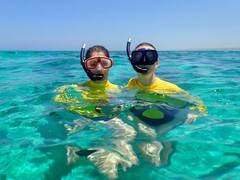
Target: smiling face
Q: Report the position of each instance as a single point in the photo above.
(99, 69)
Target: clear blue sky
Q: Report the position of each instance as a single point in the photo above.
(169, 24)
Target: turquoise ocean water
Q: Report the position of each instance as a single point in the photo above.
(33, 138)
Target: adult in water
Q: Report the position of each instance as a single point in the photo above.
(145, 60)
(159, 101)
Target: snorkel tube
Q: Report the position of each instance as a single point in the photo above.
(128, 49)
(82, 55)
(93, 77)
(142, 70)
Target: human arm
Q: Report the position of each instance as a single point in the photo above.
(64, 95)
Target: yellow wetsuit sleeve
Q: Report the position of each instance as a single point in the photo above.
(165, 87)
(172, 88)
(199, 105)
(63, 95)
(131, 83)
(159, 86)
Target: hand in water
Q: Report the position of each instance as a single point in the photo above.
(191, 118)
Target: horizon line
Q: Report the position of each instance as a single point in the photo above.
(194, 49)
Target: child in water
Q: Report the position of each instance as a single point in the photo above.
(89, 99)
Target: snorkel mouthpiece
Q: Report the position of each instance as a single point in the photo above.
(142, 70)
(96, 77)
(93, 77)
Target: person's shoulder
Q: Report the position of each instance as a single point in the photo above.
(63, 88)
(113, 86)
(168, 85)
(160, 81)
(131, 83)
(84, 84)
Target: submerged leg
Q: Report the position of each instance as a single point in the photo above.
(117, 151)
(152, 151)
(108, 160)
(71, 154)
(147, 130)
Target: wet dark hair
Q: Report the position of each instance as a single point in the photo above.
(145, 44)
(97, 48)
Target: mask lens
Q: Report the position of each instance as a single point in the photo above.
(137, 57)
(151, 56)
(91, 63)
(106, 63)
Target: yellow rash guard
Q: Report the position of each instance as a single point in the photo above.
(82, 98)
(161, 86)
(158, 85)
(105, 85)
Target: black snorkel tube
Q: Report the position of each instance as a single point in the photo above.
(93, 77)
(135, 67)
(128, 49)
(82, 55)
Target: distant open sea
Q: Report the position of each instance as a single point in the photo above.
(33, 139)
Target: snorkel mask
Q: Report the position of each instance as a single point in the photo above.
(93, 77)
(141, 57)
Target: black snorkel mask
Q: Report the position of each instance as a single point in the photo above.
(93, 77)
(141, 57)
